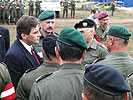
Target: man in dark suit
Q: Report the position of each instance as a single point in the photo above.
(22, 55)
(4, 42)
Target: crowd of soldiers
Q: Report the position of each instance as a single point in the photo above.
(31, 8)
(10, 12)
(66, 6)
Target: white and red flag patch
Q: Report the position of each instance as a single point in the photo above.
(8, 93)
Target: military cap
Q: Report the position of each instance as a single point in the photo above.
(119, 31)
(86, 23)
(49, 43)
(48, 14)
(103, 15)
(72, 36)
(105, 79)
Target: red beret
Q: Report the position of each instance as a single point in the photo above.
(102, 15)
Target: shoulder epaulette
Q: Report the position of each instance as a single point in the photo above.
(3, 63)
(130, 74)
(97, 60)
(43, 76)
(103, 46)
(54, 33)
(27, 71)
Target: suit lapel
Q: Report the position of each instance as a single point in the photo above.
(29, 57)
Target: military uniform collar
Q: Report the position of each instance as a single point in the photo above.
(93, 44)
(72, 66)
(102, 29)
(49, 65)
(119, 53)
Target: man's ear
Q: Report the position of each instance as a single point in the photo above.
(84, 54)
(112, 41)
(24, 36)
(84, 97)
(57, 53)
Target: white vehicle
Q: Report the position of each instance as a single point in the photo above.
(51, 5)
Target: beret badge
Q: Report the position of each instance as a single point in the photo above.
(85, 24)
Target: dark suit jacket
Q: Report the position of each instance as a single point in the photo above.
(18, 60)
(4, 42)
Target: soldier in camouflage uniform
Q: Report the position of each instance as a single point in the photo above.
(49, 66)
(31, 8)
(13, 12)
(6, 12)
(18, 8)
(113, 8)
(1, 11)
(6, 84)
(96, 50)
(72, 8)
(37, 4)
(22, 7)
(65, 10)
(103, 28)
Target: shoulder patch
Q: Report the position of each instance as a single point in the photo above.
(27, 71)
(43, 76)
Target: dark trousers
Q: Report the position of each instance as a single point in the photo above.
(113, 12)
(31, 9)
(72, 12)
(37, 12)
(6, 16)
(65, 11)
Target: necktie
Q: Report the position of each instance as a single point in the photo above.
(33, 53)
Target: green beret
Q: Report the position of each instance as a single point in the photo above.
(119, 31)
(72, 36)
(48, 14)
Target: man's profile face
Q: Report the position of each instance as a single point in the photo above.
(34, 36)
(88, 33)
(108, 42)
(48, 25)
(104, 22)
(96, 14)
